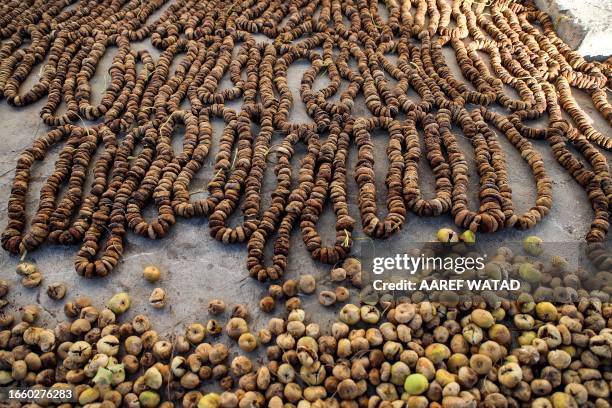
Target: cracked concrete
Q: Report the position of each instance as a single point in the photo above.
(196, 268)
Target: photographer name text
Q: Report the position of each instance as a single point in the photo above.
(447, 284)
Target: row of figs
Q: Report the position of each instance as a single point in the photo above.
(376, 54)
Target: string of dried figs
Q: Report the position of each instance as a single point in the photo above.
(366, 182)
(234, 60)
(271, 218)
(330, 182)
(441, 169)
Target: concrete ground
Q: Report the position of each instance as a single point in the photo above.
(584, 25)
(196, 268)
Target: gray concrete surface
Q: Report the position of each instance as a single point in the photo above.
(583, 24)
(196, 268)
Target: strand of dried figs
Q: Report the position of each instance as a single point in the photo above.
(13, 239)
(330, 182)
(440, 166)
(366, 178)
(286, 207)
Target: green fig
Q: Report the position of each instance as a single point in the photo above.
(153, 378)
(530, 273)
(149, 399)
(119, 303)
(468, 237)
(533, 245)
(210, 400)
(447, 235)
(416, 384)
(88, 396)
(103, 376)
